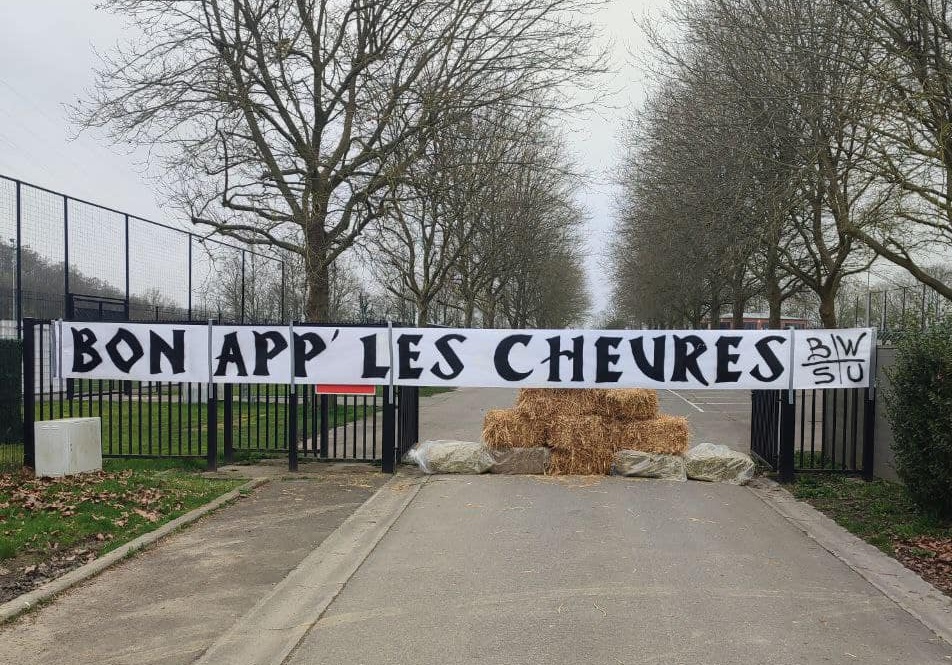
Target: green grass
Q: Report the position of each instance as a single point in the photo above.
(134, 427)
(426, 391)
(879, 512)
(98, 511)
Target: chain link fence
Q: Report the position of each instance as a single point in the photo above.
(55, 247)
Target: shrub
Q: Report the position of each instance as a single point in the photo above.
(11, 397)
(919, 409)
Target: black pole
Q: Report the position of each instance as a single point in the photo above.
(869, 435)
(189, 276)
(283, 313)
(242, 286)
(325, 426)
(19, 260)
(128, 291)
(292, 431)
(787, 436)
(212, 452)
(29, 392)
(229, 434)
(415, 429)
(65, 253)
(389, 432)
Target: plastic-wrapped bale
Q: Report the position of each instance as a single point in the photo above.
(621, 403)
(451, 457)
(520, 461)
(668, 435)
(715, 463)
(638, 464)
(581, 445)
(513, 428)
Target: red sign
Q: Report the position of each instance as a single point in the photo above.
(341, 389)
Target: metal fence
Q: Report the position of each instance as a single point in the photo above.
(182, 420)
(814, 430)
(54, 246)
(11, 414)
(903, 308)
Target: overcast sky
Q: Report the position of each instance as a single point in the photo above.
(47, 55)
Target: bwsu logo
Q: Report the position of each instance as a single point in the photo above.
(836, 358)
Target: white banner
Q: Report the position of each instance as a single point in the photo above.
(691, 359)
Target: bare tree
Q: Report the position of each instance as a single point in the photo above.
(285, 122)
(436, 210)
(907, 111)
(768, 82)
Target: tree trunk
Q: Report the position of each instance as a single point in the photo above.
(774, 302)
(828, 307)
(489, 316)
(737, 312)
(738, 299)
(468, 311)
(318, 292)
(422, 313)
(317, 268)
(715, 318)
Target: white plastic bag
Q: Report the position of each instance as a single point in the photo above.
(451, 457)
(638, 464)
(719, 464)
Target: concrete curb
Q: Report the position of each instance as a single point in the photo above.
(27, 601)
(913, 594)
(271, 630)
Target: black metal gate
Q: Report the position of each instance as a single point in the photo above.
(814, 430)
(182, 420)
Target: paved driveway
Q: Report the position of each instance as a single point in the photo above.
(535, 570)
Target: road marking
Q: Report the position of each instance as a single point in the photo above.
(686, 400)
(725, 403)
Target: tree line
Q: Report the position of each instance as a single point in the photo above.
(786, 145)
(411, 142)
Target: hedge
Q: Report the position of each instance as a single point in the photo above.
(919, 409)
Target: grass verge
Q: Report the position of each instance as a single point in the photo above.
(880, 513)
(50, 526)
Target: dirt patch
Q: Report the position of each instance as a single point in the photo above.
(25, 573)
(931, 558)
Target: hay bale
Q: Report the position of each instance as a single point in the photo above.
(451, 457)
(631, 403)
(620, 403)
(668, 435)
(513, 428)
(637, 464)
(581, 445)
(716, 463)
(520, 461)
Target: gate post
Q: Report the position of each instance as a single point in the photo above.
(292, 429)
(229, 416)
(325, 426)
(788, 425)
(869, 436)
(212, 447)
(389, 432)
(29, 392)
(869, 415)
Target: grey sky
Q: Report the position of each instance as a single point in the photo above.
(47, 58)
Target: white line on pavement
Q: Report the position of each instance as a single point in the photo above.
(686, 400)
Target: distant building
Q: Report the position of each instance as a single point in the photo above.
(761, 321)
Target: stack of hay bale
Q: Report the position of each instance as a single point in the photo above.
(580, 430)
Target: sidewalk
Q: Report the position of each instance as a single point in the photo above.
(168, 604)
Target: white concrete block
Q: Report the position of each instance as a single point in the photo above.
(69, 446)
